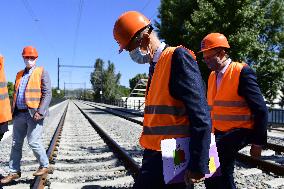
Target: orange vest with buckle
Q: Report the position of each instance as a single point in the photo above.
(33, 89)
(164, 116)
(228, 109)
(5, 113)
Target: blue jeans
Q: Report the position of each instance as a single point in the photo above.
(228, 144)
(25, 125)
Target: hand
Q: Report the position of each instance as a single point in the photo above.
(191, 177)
(255, 151)
(37, 116)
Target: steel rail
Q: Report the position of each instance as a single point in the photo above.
(40, 181)
(119, 115)
(262, 164)
(129, 162)
(118, 109)
(275, 147)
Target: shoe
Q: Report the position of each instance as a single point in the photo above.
(10, 177)
(41, 171)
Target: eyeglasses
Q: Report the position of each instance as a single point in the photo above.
(209, 57)
(136, 39)
(29, 57)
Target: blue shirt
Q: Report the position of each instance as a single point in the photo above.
(21, 101)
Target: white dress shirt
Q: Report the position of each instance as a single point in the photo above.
(221, 73)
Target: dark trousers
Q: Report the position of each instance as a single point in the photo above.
(151, 173)
(1, 136)
(228, 144)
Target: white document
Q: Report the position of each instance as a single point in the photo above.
(175, 154)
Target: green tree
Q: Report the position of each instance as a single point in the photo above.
(97, 78)
(55, 93)
(254, 29)
(10, 87)
(123, 91)
(111, 83)
(133, 81)
(105, 80)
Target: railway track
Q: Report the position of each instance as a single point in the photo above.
(271, 163)
(29, 163)
(135, 118)
(87, 157)
(84, 157)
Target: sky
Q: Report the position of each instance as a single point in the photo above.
(75, 31)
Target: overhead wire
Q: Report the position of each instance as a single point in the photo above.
(146, 5)
(36, 21)
(79, 16)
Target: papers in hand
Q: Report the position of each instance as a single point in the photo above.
(175, 154)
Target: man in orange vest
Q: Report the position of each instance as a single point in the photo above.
(32, 96)
(175, 105)
(5, 113)
(238, 110)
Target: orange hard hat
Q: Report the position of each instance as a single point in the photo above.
(214, 40)
(29, 51)
(127, 25)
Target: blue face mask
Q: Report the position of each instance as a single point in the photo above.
(139, 57)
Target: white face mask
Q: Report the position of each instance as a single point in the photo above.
(139, 57)
(29, 62)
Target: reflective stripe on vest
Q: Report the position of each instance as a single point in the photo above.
(230, 103)
(32, 99)
(232, 117)
(4, 96)
(162, 109)
(166, 130)
(33, 90)
(3, 84)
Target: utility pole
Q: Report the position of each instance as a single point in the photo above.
(69, 66)
(58, 73)
(84, 90)
(101, 92)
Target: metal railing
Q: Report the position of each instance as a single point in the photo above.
(276, 116)
(128, 104)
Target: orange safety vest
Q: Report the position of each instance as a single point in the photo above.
(164, 116)
(228, 109)
(33, 89)
(5, 113)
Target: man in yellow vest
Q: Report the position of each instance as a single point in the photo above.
(32, 96)
(238, 111)
(175, 104)
(5, 113)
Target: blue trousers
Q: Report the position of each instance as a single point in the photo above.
(228, 144)
(151, 173)
(24, 125)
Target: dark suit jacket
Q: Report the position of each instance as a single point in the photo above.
(249, 89)
(186, 84)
